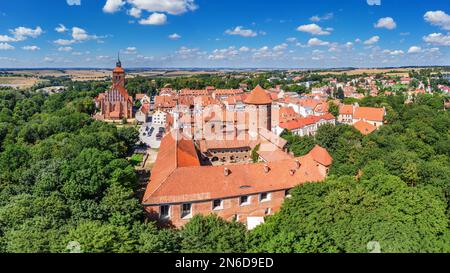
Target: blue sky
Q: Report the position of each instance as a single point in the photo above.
(224, 33)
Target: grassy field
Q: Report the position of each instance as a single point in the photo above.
(19, 82)
(391, 72)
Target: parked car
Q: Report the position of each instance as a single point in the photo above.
(159, 136)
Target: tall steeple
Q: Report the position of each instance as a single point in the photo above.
(119, 63)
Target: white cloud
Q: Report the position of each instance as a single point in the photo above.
(349, 45)
(48, 59)
(244, 49)
(64, 42)
(239, 30)
(79, 34)
(317, 18)
(61, 28)
(173, 7)
(154, 19)
(372, 40)
(65, 49)
(291, 40)
(112, 6)
(74, 2)
(386, 22)
(135, 12)
(393, 52)
(174, 36)
(130, 50)
(374, 2)
(31, 48)
(314, 29)
(225, 53)
(414, 49)
(317, 42)
(6, 46)
(438, 39)
(6, 38)
(438, 18)
(21, 34)
(280, 47)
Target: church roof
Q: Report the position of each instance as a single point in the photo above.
(258, 96)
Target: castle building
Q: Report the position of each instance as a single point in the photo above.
(115, 104)
(181, 187)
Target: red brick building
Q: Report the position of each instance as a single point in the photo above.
(115, 104)
(181, 187)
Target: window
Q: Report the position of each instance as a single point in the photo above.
(186, 211)
(264, 197)
(164, 212)
(287, 193)
(244, 200)
(268, 211)
(218, 204)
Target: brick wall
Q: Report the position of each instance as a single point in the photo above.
(231, 209)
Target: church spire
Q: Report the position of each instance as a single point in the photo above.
(119, 63)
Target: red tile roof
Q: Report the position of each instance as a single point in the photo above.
(258, 96)
(303, 122)
(369, 113)
(172, 183)
(364, 127)
(346, 110)
(321, 155)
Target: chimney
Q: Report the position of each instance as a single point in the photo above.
(266, 168)
(298, 164)
(226, 172)
(292, 172)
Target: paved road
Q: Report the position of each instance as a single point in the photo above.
(145, 137)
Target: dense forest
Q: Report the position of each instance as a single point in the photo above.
(65, 178)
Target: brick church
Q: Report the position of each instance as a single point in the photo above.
(115, 104)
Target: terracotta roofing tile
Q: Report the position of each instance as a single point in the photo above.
(364, 127)
(321, 155)
(258, 96)
(178, 177)
(369, 113)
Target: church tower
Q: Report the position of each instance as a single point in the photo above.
(118, 74)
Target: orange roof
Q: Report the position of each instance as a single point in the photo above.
(118, 70)
(258, 96)
(186, 154)
(346, 110)
(303, 122)
(165, 102)
(369, 113)
(171, 184)
(364, 127)
(321, 155)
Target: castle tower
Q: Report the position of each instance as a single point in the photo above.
(259, 103)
